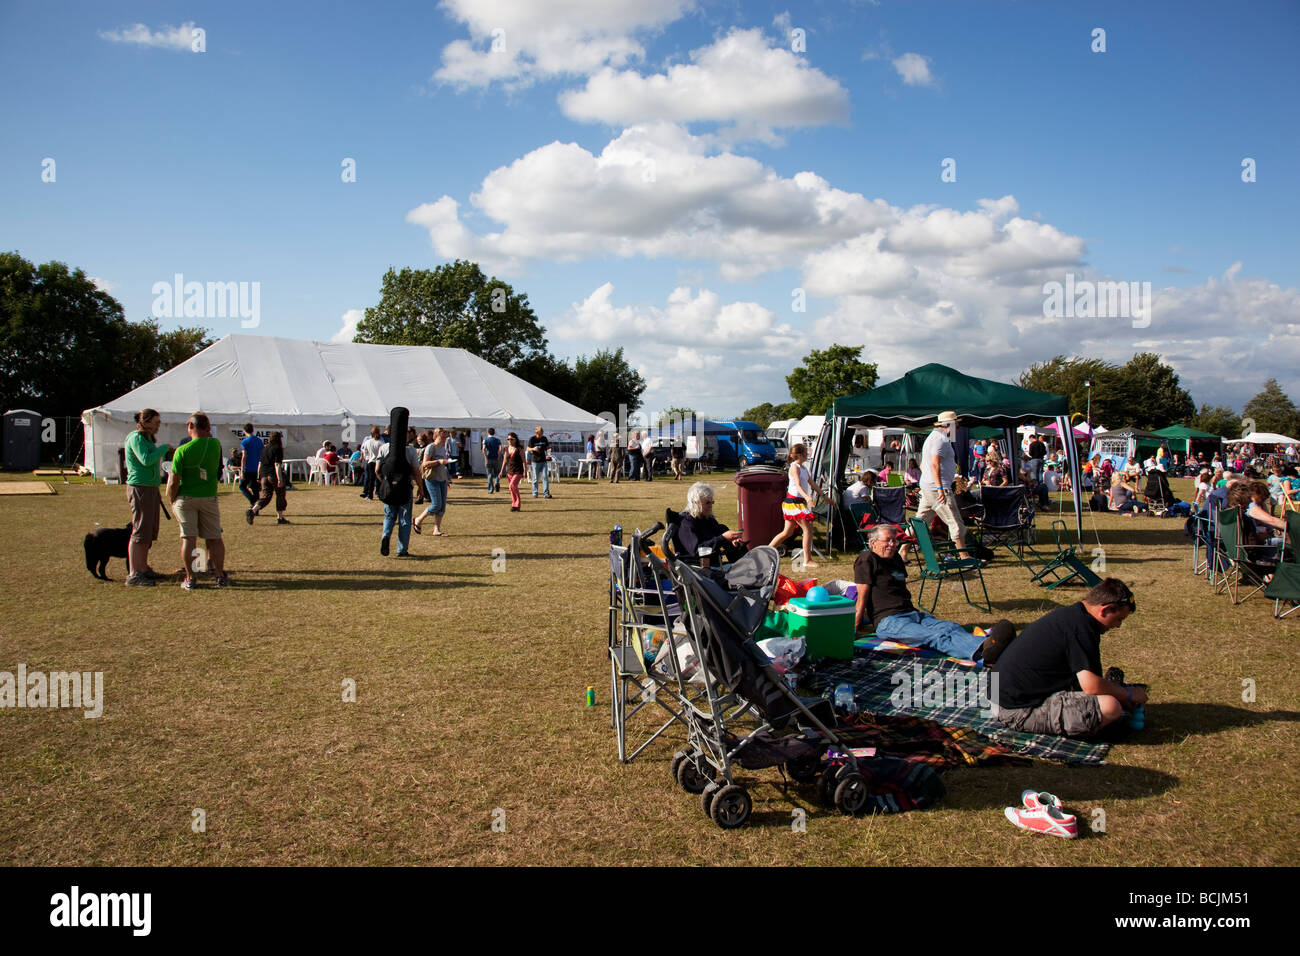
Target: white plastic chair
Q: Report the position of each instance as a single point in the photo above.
(317, 466)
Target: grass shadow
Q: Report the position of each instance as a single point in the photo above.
(1175, 721)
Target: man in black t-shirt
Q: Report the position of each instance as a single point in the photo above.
(1037, 451)
(1050, 680)
(538, 448)
(883, 598)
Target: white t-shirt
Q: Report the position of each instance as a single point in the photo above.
(856, 493)
(796, 488)
(370, 449)
(936, 443)
(1052, 480)
(647, 445)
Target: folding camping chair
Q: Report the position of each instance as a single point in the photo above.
(639, 608)
(1007, 520)
(1066, 565)
(1239, 565)
(890, 505)
(1285, 586)
(938, 568)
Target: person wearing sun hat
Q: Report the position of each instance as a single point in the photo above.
(938, 471)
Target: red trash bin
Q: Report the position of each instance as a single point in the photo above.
(760, 491)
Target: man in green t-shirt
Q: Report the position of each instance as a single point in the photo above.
(192, 489)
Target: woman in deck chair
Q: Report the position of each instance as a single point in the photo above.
(700, 534)
(1252, 498)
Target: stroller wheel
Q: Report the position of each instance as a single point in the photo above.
(690, 778)
(706, 797)
(731, 806)
(851, 793)
(803, 769)
(826, 786)
(676, 763)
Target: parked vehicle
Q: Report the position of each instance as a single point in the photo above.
(744, 444)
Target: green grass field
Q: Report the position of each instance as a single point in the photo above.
(470, 699)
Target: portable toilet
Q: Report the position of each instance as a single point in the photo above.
(22, 439)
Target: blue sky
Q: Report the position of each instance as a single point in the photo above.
(663, 174)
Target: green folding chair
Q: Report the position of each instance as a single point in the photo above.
(939, 568)
(1240, 570)
(1066, 565)
(1285, 586)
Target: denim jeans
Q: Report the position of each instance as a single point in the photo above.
(540, 476)
(494, 474)
(925, 630)
(402, 516)
(437, 498)
(250, 486)
(368, 489)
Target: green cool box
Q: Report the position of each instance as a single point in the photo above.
(827, 626)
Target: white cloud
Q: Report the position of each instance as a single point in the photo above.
(653, 191)
(167, 38)
(535, 39)
(741, 79)
(103, 285)
(349, 330)
(688, 320)
(914, 69)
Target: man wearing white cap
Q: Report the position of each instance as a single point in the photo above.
(938, 469)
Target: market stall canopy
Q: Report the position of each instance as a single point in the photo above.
(920, 395)
(1184, 432)
(1264, 438)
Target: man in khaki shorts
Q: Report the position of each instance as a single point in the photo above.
(1049, 680)
(938, 470)
(192, 490)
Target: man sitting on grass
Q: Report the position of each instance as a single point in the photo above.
(883, 598)
(1050, 680)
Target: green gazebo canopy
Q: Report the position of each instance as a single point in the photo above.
(1182, 431)
(921, 394)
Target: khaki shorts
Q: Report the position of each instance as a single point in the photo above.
(145, 503)
(1067, 713)
(198, 518)
(948, 511)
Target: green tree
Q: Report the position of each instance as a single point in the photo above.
(65, 346)
(678, 413)
(551, 374)
(605, 381)
(828, 374)
(1143, 392)
(1153, 389)
(1217, 420)
(767, 413)
(454, 306)
(1066, 376)
(1273, 411)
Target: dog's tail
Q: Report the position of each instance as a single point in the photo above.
(90, 557)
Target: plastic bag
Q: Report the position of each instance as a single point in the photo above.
(787, 589)
(785, 652)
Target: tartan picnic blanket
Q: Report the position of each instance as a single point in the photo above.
(943, 691)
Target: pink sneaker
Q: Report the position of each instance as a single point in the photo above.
(1047, 820)
(1035, 799)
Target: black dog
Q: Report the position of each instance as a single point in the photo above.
(103, 544)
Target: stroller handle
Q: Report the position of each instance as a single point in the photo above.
(650, 532)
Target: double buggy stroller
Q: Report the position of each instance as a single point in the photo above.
(738, 711)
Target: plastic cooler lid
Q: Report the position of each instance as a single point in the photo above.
(835, 605)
